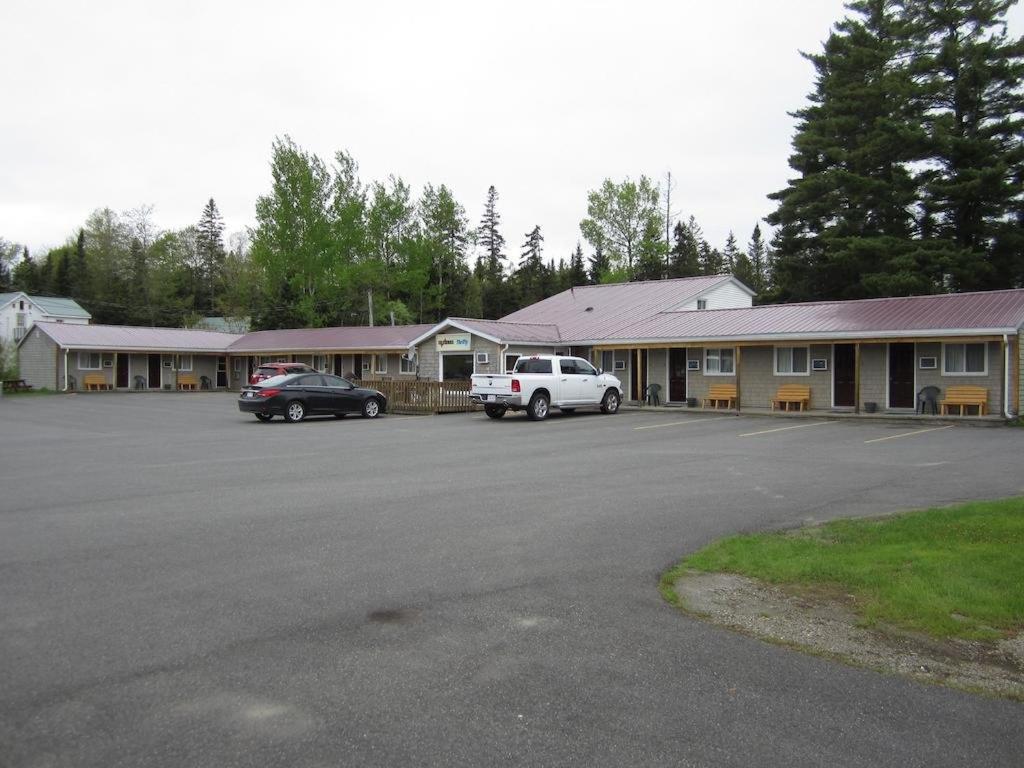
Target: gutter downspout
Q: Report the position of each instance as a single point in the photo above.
(1006, 376)
(65, 369)
(504, 350)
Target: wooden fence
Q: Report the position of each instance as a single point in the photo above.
(424, 396)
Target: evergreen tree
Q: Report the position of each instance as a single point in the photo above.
(757, 255)
(683, 258)
(577, 270)
(532, 279)
(80, 274)
(845, 224)
(710, 259)
(491, 267)
(210, 247)
(445, 234)
(969, 77)
(25, 275)
(730, 254)
(600, 265)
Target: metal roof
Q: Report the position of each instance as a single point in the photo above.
(598, 311)
(383, 337)
(126, 338)
(52, 305)
(498, 331)
(952, 314)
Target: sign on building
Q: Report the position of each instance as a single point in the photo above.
(453, 342)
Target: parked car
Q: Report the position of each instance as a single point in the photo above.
(267, 370)
(541, 382)
(297, 396)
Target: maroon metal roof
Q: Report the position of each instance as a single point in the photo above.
(512, 332)
(136, 339)
(382, 337)
(597, 311)
(944, 314)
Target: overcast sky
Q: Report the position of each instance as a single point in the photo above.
(121, 104)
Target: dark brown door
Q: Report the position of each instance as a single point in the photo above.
(677, 375)
(901, 375)
(843, 372)
(122, 371)
(357, 366)
(222, 371)
(154, 371)
(337, 366)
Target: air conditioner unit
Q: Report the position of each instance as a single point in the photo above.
(481, 358)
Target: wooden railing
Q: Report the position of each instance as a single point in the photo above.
(423, 396)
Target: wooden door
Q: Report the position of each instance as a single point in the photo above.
(122, 371)
(677, 375)
(843, 374)
(901, 375)
(222, 371)
(154, 371)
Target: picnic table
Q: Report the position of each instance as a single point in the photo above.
(16, 385)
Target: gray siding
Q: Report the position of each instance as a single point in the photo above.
(759, 384)
(37, 361)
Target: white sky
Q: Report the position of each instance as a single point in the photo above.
(121, 104)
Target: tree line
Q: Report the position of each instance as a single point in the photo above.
(909, 179)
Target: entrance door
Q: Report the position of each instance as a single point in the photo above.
(901, 375)
(456, 367)
(357, 366)
(638, 375)
(154, 371)
(222, 371)
(677, 375)
(122, 371)
(843, 374)
(337, 366)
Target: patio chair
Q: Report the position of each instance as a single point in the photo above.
(140, 382)
(204, 382)
(928, 397)
(653, 394)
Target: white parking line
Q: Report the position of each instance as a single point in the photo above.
(681, 423)
(909, 434)
(783, 429)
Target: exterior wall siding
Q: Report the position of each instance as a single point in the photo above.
(725, 296)
(37, 361)
(657, 371)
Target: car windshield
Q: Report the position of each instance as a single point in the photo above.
(532, 365)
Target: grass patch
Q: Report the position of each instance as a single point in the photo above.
(954, 572)
(31, 392)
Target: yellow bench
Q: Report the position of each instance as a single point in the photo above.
(96, 381)
(188, 381)
(721, 393)
(965, 397)
(790, 394)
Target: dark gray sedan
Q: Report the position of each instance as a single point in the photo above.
(297, 396)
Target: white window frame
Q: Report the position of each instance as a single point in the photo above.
(182, 360)
(406, 365)
(377, 367)
(718, 360)
(776, 357)
(320, 363)
(514, 357)
(702, 303)
(965, 344)
(86, 366)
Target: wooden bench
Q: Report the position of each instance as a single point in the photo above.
(792, 394)
(965, 397)
(96, 381)
(188, 381)
(16, 385)
(720, 393)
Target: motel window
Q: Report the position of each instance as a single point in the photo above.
(184, 362)
(608, 361)
(510, 362)
(320, 363)
(791, 361)
(407, 364)
(89, 361)
(702, 303)
(964, 359)
(380, 363)
(719, 362)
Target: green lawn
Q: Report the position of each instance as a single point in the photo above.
(954, 572)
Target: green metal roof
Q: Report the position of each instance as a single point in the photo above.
(51, 305)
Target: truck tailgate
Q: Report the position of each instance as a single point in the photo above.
(491, 384)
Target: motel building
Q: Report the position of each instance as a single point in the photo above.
(697, 342)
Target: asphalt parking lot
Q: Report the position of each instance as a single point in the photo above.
(184, 586)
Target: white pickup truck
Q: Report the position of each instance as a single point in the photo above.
(539, 383)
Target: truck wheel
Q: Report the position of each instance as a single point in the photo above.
(538, 407)
(610, 403)
(494, 411)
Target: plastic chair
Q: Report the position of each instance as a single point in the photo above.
(204, 382)
(72, 383)
(654, 394)
(928, 397)
(140, 382)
